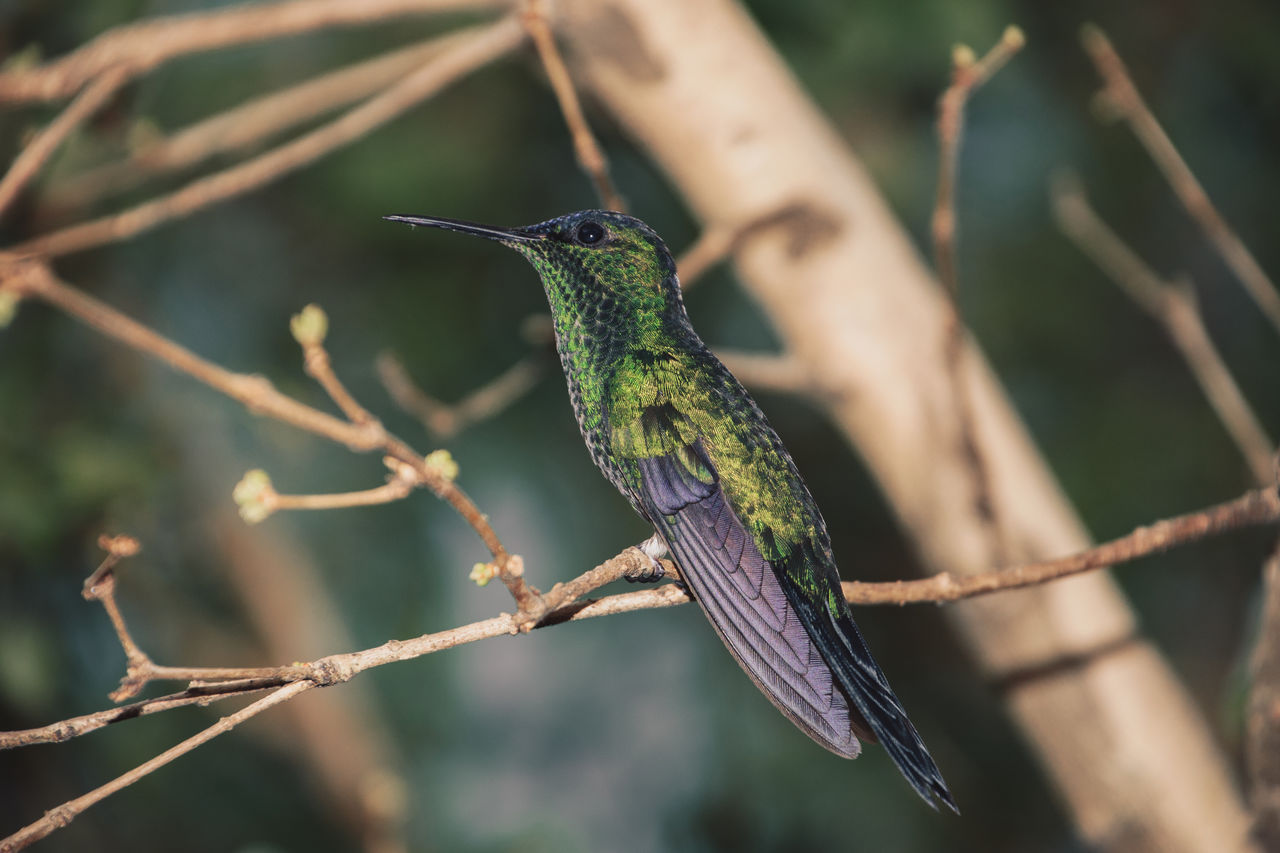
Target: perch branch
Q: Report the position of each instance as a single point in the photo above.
(1123, 99)
(563, 603)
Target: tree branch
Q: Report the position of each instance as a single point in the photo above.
(968, 73)
(472, 50)
(37, 152)
(145, 45)
(1123, 99)
(242, 126)
(1173, 305)
(590, 157)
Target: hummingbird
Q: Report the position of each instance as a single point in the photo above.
(684, 442)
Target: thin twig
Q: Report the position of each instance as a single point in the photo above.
(258, 395)
(480, 47)
(62, 815)
(199, 694)
(1256, 508)
(142, 46)
(1124, 100)
(968, 73)
(258, 499)
(446, 420)
(1173, 305)
(242, 126)
(713, 245)
(39, 150)
(590, 157)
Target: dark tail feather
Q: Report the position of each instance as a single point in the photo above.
(867, 688)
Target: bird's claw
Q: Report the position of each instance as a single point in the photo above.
(652, 570)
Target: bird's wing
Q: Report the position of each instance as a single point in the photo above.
(782, 616)
(677, 485)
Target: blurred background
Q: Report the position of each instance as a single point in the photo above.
(635, 732)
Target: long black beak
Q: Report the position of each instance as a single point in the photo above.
(504, 235)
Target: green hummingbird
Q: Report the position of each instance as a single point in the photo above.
(685, 443)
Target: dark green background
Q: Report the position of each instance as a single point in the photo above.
(635, 732)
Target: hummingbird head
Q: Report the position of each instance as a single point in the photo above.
(608, 276)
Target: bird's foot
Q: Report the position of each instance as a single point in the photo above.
(654, 549)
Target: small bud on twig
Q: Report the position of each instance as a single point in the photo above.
(254, 495)
(309, 326)
(442, 463)
(482, 573)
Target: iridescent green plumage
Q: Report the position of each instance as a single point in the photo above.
(678, 435)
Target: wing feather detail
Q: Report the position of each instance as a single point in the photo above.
(741, 595)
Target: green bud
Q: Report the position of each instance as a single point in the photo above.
(482, 573)
(252, 495)
(442, 463)
(309, 326)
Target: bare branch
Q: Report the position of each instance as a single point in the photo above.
(560, 605)
(1259, 507)
(1123, 99)
(39, 150)
(33, 280)
(1173, 306)
(590, 157)
(142, 46)
(472, 50)
(62, 815)
(446, 420)
(242, 126)
(968, 73)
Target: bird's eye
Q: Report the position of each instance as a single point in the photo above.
(590, 233)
